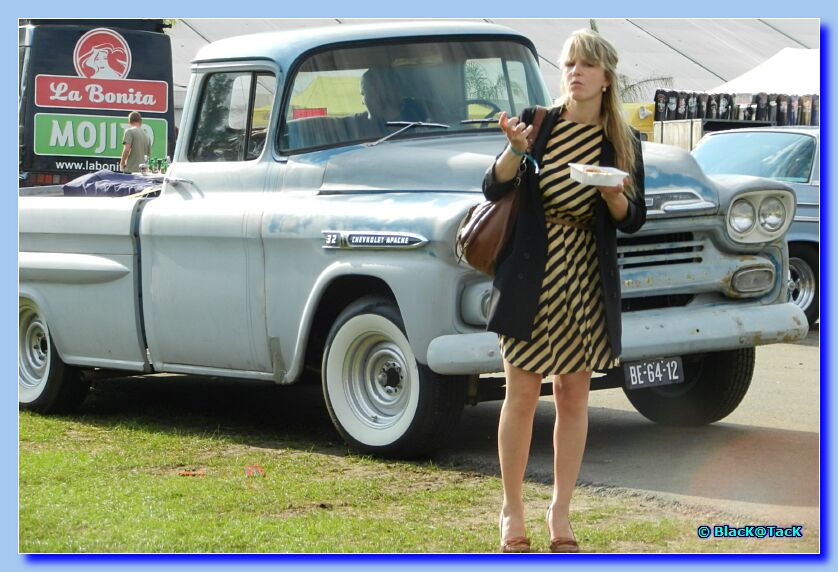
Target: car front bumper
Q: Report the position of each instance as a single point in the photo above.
(647, 334)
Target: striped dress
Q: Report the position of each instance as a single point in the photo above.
(569, 332)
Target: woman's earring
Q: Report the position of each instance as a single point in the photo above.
(603, 89)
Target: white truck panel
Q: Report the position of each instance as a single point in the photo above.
(78, 261)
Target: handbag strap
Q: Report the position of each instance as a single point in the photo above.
(537, 120)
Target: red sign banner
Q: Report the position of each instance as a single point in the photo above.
(116, 94)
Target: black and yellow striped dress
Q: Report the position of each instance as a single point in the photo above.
(569, 333)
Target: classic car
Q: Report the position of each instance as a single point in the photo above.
(790, 155)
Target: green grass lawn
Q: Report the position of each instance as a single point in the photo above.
(102, 482)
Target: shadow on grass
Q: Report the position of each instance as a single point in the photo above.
(245, 412)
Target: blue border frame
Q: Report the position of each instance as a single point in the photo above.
(432, 8)
(826, 286)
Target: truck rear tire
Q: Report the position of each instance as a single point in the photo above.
(45, 383)
(714, 387)
(380, 399)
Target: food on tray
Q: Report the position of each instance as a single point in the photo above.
(598, 175)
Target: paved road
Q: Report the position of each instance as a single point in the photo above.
(761, 462)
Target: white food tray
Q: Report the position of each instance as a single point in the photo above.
(603, 177)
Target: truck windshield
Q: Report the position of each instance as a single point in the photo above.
(349, 95)
(783, 156)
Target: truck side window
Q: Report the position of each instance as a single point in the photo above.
(233, 116)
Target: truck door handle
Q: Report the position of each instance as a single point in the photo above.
(178, 181)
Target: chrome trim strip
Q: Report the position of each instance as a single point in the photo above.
(64, 268)
(681, 206)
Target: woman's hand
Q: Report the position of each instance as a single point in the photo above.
(516, 131)
(610, 194)
(615, 199)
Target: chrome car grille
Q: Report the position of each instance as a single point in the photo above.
(658, 250)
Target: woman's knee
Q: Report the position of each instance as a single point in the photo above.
(523, 388)
(571, 391)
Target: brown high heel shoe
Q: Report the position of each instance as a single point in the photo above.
(562, 544)
(516, 544)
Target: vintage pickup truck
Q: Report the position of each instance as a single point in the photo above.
(305, 229)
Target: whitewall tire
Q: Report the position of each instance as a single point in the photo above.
(45, 383)
(381, 400)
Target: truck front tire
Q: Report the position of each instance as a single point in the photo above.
(45, 383)
(381, 400)
(714, 387)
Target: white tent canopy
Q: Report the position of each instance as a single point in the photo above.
(791, 71)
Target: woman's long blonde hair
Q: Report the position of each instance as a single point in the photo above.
(589, 45)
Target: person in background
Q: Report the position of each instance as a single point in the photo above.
(381, 94)
(556, 295)
(136, 146)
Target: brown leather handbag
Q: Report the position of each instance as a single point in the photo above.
(486, 227)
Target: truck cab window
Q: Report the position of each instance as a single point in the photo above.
(233, 117)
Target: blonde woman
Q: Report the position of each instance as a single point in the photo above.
(556, 296)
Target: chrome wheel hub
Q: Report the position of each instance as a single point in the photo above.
(33, 350)
(377, 380)
(802, 284)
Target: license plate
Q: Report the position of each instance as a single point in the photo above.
(653, 372)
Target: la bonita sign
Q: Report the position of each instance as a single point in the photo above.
(114, 94)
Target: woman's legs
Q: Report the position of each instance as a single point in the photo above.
(570, 393)
(514, 435)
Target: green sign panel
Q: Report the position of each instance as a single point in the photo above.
(92, 135)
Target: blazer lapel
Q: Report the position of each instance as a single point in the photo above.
(607, 158)
(538, 152)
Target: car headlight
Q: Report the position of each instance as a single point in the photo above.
(772, 214)
(742, 216)
(772, 209)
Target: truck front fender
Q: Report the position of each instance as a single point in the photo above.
(425, 291)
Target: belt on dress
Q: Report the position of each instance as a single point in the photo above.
(565, 222)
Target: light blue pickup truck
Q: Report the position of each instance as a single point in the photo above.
(305, 228)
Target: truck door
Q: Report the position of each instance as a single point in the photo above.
(203, 262)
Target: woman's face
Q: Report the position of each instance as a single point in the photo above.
(100, 59)
(583, 78)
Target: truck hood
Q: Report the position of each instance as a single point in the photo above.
(675, 184)
(448, 163)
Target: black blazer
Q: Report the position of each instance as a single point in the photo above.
(520, 266)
